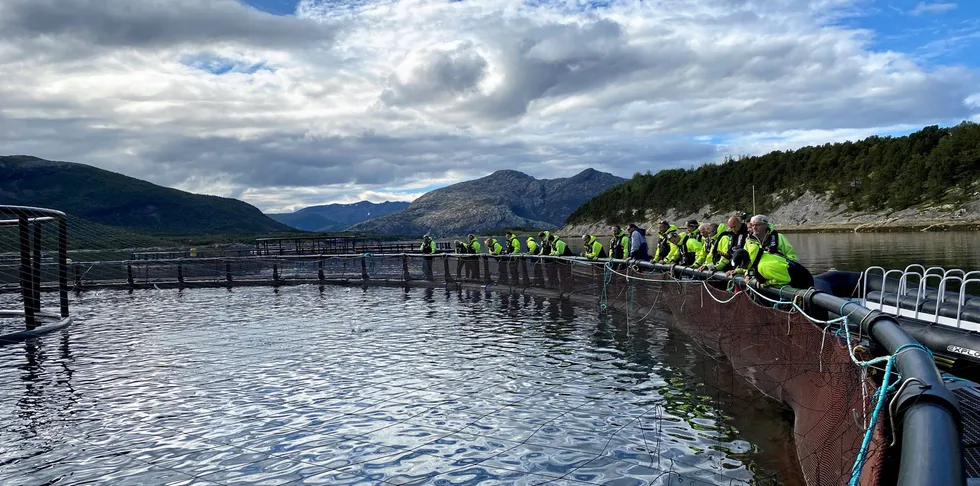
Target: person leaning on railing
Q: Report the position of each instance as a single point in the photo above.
(638, 243)
(532, 246)
(493, 247)
(770, 269)
(513, 244)
(717, 240)
(474, 245)
(684, 251)
(663, 245)
(545, 247)
(558, 247)
(762, 232)
(593, 249)
(428, 245)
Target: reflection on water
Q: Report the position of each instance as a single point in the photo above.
(381, 385)
(857, 251)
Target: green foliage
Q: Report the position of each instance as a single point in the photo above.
(933, 165)
(111, 199)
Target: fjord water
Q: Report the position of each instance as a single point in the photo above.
(334, 385)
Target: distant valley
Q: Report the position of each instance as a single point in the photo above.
(336, 217)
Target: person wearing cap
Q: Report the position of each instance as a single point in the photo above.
(545, 247)
(692, 230)
(428, 245)
(593, 249)
(763, 233)
(663, 245)
(513, 244)
(493, 247)
(638, 243)
(619, 245)
(532, 246)
(770, 269)
(684, 250)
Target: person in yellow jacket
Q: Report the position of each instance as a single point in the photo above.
(593, 249)
(717, 240)
(493, 247)
(692, 230)
(513, 244)
(428, 245)
(770, 269)
(474, 245)
(763, 233)
(532, 246)
(684, 251)
(558, 247)
(663, 245)
(619, 245)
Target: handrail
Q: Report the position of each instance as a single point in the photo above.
(931, 451)
(866, 275)
(884, 289)
(31, 211)
(962, 297)
(941, 297)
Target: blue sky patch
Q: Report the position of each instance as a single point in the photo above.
(275, 7)
(219, 65)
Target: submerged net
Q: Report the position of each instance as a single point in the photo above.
(779, 352)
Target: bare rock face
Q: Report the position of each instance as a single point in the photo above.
(504, 199)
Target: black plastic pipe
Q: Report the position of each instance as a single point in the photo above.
(26, 287)
(929, 414)
(63, 265)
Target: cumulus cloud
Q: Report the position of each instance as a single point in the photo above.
(388, 98)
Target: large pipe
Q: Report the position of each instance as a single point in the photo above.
(929, 414)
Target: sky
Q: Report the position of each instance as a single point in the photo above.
(291, 103)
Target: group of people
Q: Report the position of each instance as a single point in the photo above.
(752, 247)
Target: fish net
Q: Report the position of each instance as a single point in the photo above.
(772, 347)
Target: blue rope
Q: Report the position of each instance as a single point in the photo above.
(882, 392)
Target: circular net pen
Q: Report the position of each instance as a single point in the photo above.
(33, 255)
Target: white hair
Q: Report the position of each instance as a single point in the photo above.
(760, 219)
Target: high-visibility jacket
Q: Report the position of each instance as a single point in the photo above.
(494, 248)
(514, 244)
(532, 246)
(593, 249)
(775, 243)
(716, 250)
(772, 268)
(687, 251)
(545, 247)
(430, 248)
(663, 245)
(474, 246)
(619, 245)
(560, 248)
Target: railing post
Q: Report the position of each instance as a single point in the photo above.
(26, 289)
(275, 272)
(364, 274)
(502, 275)
(445, 265)
(63, 265)
(78, 275)
(228, 271)
(486, 269)
(129, 274)
(405, 275)
(180, 271)
(319, 273)
(36, 266)
(526, 281)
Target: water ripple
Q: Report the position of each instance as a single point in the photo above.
(306, 385)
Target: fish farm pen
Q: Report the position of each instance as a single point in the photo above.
(876, 365)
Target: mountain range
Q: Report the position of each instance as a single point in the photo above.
(503, 199)
(336, 217)
(112, 199)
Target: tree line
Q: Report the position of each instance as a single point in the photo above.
(931, 166)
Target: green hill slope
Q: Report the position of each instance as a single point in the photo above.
(112, 199)
(932, 166)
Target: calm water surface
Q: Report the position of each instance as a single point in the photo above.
(374, 386)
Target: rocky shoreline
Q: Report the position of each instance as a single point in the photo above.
(814, 213)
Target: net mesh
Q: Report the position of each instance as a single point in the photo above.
(779, 352)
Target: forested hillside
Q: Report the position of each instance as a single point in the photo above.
(934, 165)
